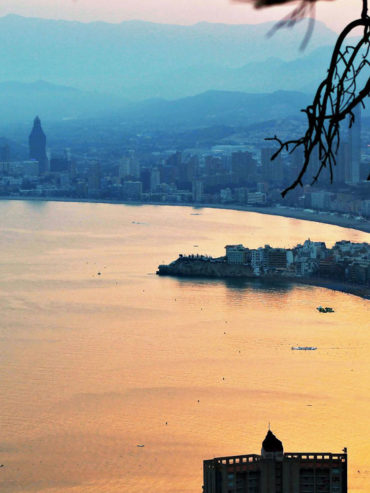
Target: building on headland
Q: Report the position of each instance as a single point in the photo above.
(236, 254)
(311, 262)
(260, 259)
(276, 471)
(275, 258)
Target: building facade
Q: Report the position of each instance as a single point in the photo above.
(236, 254)
(277, 472)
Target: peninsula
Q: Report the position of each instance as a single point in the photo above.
(344, 267)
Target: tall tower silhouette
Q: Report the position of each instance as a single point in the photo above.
(37, 145)
(354, 132)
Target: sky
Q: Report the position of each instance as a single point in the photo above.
(335, 14)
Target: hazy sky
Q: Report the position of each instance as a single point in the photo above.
(334, 14)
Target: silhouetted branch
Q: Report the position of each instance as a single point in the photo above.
(305, 8)
(335, 100)
(336, 96)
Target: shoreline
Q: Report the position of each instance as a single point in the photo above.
(353, 289)
(361, 291)
(288, 212)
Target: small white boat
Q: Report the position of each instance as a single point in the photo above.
(304, 348)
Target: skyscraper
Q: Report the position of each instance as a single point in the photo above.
(94, 177)
(277, 472)
(342, 171)
(272, 171)
(197, 190)
(244, 167)
(155, 179)
(354, 140)
(37, 145)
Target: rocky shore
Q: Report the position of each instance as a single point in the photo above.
(218, 268)
(185, 267)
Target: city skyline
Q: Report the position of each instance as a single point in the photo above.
(148, 169)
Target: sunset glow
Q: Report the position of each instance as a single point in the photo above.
(334, 14)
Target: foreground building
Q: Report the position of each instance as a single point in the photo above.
(277, 472)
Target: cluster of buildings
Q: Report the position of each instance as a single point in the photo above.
(276, 471)
(345, 261)
(223, 174)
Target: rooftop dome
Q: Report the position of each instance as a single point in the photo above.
(271, 443)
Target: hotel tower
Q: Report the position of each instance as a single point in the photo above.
(276, 471)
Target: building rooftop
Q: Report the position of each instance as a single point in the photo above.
(271, 443)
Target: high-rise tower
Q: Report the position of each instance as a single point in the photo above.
(276, 471)
(37, 145)
(354, 135)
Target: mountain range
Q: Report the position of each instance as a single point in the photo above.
(21, 102)
(156, 74)
(138, 60)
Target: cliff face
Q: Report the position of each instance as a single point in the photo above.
(204, 268)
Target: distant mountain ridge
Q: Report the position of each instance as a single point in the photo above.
(218, 108)
(140, 60)
(20, 102)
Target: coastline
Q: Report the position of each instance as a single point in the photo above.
(289, 212)
(198, 271)
(356, 290)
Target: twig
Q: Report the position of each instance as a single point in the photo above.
(335, 99)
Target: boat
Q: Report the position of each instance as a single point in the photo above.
(326, 309)
(304, 348)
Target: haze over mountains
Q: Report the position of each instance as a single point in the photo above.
(157, 74)
(22, 101)
(139, 60)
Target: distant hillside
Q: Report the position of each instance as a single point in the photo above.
(216, 108)
(21, 102)
(139, 60)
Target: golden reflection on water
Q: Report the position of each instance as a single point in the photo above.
(94, 365)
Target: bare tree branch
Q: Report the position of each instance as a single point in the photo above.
(336, 96)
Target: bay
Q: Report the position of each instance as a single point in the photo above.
(99, 355)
